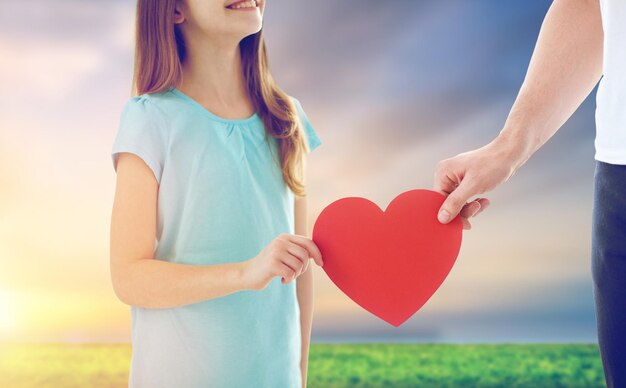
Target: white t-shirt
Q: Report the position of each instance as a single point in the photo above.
(610, 139)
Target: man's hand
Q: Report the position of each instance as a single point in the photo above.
(472, 173)
(565, 66)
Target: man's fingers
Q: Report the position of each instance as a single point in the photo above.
(484, 203)
(453, 204)
(444, 184)
(470, 209)
(474, 208)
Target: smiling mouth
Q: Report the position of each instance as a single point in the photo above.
(244, 4)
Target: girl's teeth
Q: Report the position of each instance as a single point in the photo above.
(247, 4)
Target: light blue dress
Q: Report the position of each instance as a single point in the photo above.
(221, 199)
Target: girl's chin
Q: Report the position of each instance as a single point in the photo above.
(250, 30)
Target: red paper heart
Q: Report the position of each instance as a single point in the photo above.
(389, 262)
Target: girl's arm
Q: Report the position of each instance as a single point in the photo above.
(140, 280)
(304, 287)
(137, 278)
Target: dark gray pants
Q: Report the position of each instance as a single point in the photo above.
(609, 268)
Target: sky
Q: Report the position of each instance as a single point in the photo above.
(391, 88)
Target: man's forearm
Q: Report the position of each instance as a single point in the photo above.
(565, 67)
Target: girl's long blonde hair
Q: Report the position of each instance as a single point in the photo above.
(159, 52)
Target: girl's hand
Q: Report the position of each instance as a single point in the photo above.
(287, 256)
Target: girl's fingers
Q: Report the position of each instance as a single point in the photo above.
(293, 262)
(310, 246)
(298, 252)
(286, 272)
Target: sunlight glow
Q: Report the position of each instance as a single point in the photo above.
(8, 312)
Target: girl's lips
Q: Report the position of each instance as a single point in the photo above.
(233, 6)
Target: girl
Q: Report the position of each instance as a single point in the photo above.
(209, 157)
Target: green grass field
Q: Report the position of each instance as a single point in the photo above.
(330, 366)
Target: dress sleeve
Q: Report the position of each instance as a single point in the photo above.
(312, 138)
(138, 133)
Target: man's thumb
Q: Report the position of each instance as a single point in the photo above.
(453, 204)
